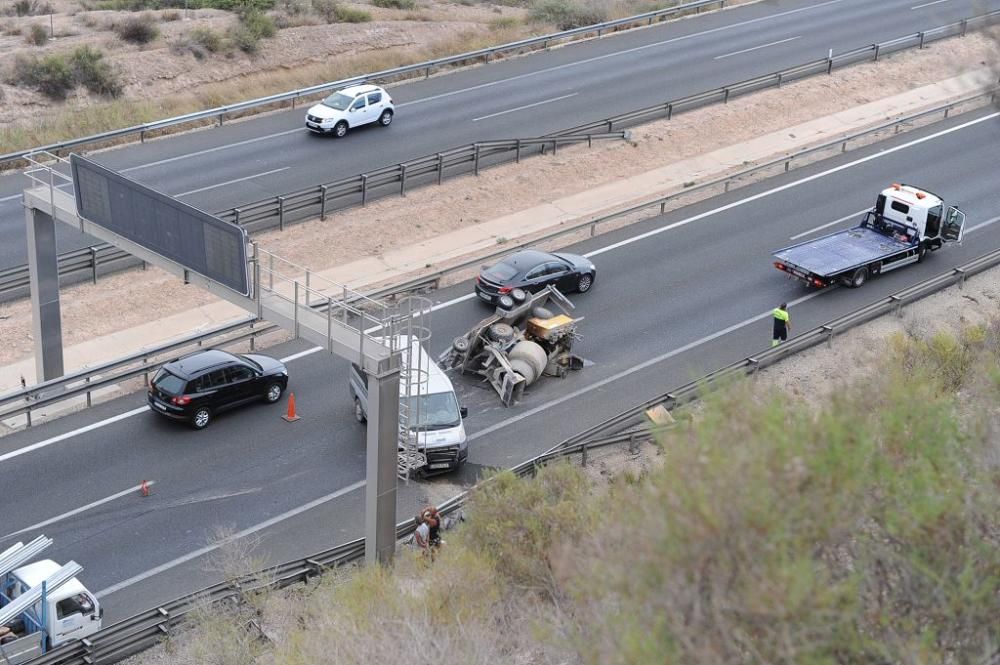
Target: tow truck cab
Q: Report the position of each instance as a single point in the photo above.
(922, 213)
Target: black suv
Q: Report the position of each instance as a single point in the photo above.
(196, 386)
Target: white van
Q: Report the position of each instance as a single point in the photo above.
(435, 412)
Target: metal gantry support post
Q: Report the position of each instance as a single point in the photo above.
(380, 491)
(43, 272)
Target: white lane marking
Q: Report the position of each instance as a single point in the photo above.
(928, 4)
(526, 106)
(616, 54)
(829, 224)
(10, 198)
(972, 229)
(632, 370)
(81, 509)
(206, 151)
(242, 534)
(757, 48)
(232, 182)
(68, 435)
(790, 185)
(301, 354)
(596, 252)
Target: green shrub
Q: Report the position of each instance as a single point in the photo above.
(395, 4)
(137, 29)
(207, 38)
(254, 26)
(37, 35)
(504, 23)
(51, 75)
(29, 8)
(93, 72)
(351, 15)
(568, 14)
(172, 15)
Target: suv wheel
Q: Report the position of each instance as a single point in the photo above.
(273, 393)
(386, 118)
(201, 417)
(340, 129)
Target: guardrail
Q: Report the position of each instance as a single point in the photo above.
(83, 382)
(627, 428)
(219, 113)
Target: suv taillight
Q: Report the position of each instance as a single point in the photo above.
(183, 400)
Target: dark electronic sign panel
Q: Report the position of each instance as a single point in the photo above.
(177, 231)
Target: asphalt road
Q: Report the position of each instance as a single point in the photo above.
(523, 97)
(676, 296)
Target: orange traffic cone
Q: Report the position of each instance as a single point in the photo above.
(144, 488)
(290, 416)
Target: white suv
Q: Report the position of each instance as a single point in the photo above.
(349, 108)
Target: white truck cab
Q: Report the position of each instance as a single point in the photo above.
(42, 606)
(923, 213)
(434, 414)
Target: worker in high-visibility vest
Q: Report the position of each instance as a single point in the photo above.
(782, 324)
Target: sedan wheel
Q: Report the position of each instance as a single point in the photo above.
(340, 129)
(386, 118)
(201, 418)
(586, 281)
(273, 393)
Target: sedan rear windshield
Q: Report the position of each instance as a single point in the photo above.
(168, 383)
(338, 101)
(502, 271)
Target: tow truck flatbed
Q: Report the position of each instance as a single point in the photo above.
(843, 251)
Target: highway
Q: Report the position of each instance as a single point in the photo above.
(676, 296)
(524, 97)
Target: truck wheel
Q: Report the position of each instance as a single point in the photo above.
(858, 279)
(359, 412)
(875, 269)
(921, 253)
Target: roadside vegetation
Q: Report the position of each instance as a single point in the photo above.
(864, 530)
(57, 75)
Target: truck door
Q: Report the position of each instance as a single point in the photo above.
(953, 228)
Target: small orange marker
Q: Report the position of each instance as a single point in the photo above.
(290, 416)
(144, 488)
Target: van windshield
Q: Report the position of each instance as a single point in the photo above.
(434, 411)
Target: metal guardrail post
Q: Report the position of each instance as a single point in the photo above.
(961, 277)
(402, 179)
(253, 334)
(236, 218)
(898, 305)
(877, 47)
(329, 323)
(440, 167)
(829, 65)
(322, 202)
(670, 111)
(142, 136)
(517, 153)
(295, 309)
(965, 27)
(270, 271)
(829, 335)
(93, 264)
(583, 459)
(307, 287)
(725, 98)
(281, 213)
(476, 159)
(87, 380)
(555, 142)
(221, 116)
(364, 189)
(752, 365)
(921, 40)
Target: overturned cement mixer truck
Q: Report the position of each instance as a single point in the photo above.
(521, 342)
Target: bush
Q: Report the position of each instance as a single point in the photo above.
(254, 26)
(37, 35)
(51, 75)
(351, 15)
(29, 8)
(93, 72)
(208, 39)
(137, 29)
(568, 14)
(172, 15)
(395, 4)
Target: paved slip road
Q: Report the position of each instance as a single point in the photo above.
(676, 296)
(248, 161)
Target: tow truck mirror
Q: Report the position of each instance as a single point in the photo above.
(463, 411)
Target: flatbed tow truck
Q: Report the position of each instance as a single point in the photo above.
(905, 224)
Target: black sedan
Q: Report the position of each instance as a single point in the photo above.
(532, 271)
(195, 387)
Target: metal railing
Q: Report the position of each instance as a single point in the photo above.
(355, 190)
(629, 428)
(83, 382)
(425, 68)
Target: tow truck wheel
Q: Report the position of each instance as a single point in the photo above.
(921, 253)
(858, 279)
